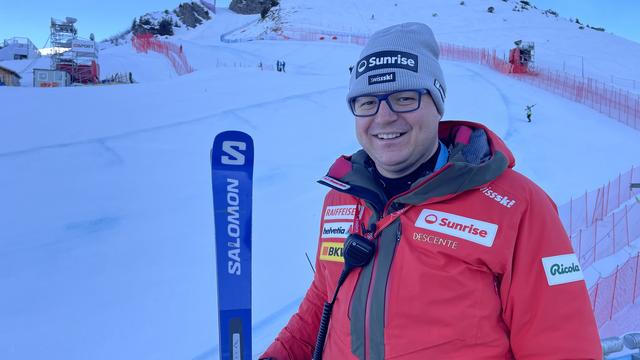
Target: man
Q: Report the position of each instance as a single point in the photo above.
(471, 259)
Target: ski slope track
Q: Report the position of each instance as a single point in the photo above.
(106, 226)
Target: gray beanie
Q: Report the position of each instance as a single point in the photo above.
(400, 57)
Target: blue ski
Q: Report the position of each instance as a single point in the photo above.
(232, 178)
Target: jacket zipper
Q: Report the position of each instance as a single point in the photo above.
(371, 283)
(375, 264)
(366, 304)
(388, 282)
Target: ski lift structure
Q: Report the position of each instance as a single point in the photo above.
(76, 56)
(521, 57)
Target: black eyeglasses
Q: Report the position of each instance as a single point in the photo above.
(399, 101)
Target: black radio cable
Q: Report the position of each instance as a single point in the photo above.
(357, 252)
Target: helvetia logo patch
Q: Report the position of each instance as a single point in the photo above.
(562, 269)
(332, 251)
(336, 230)
(477, 231)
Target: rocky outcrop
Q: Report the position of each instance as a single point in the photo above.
(189, 14)
(247, 7)
(162, 23)
(192, 14)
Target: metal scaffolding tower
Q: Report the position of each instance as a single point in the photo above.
(63, 32)
(76, 56)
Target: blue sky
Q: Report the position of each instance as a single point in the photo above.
(30, 18)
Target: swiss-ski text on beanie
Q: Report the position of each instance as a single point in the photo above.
(400, 57)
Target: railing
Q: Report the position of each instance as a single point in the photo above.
(613, 102)
(615, 292)
(604, 98)
(585, 210)
(173, 52)
(607, 236)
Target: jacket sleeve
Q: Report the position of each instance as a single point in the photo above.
(547, 321)
(297, 339)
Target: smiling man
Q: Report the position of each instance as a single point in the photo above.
(471, 259)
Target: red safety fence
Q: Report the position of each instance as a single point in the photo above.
(319, 35)
(614, 293)
(585, 210)
(598, 95)
(476, 55)
(173, 52)
(607, 236)
(611, 101)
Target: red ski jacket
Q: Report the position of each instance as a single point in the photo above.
(471, 263)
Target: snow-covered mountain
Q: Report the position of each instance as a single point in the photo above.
(106, 233)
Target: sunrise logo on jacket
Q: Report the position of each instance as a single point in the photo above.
(562, 269)
(431, 219)
(474, 230)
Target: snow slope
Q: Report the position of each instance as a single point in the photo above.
(613, 58)
(106, 231)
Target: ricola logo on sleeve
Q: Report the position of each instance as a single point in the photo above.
(387, 59)
(562, 269)
(477, 231)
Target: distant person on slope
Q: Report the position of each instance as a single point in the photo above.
(471, 260)
(528, 109)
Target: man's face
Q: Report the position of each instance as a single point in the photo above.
(399, 142)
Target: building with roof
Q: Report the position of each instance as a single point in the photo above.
(9, 77)
(18, 48)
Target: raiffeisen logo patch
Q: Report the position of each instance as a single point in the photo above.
(341, 212)
(562, 269)
(332, 251)
(477, 231)
(387, 60)
(336, 230)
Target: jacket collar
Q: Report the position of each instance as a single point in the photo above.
(476, 157)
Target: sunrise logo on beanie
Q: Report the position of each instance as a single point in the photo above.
(387, 59)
